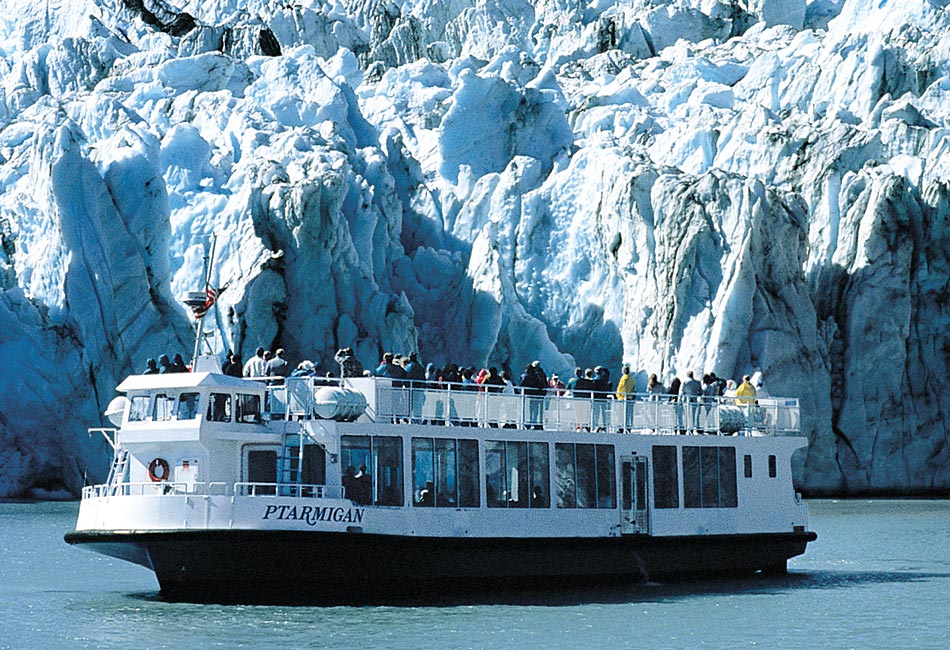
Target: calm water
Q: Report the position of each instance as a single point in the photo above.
(878, 577)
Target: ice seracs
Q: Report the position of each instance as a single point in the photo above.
(679, 185)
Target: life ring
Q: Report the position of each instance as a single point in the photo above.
(160, 464)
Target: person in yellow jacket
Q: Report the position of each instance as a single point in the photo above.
(745, 393)
(626, 389)
(627, 386)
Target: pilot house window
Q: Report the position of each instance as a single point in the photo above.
(188, 406)
(219, 407)
(445, 473)
(164, 407)
(247, 408)
(138, 408)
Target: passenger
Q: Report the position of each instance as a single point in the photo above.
(654, 388)
(602, 392)
(278, 366)
(534, 382)
(349, 364)
(362, 487)
(256, 366)
(227, 362)
(626, 393)
(572, 382)
(415, 377)
(759, 385)
(745, 393)
(427, 495)
(349, 482)
(556, 387)
(584, 386)
(387, 368)
(178, 364)
(233, 366)
(151, 368)
(493, 382)
(414, 371)
(675, 389)
(166, 364)
(690, 393)
(537, 497)
(730, 390)
(510, 410)
(304, 369)
(509, 387)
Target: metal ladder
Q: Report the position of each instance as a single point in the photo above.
(290, 462)
(120, 464)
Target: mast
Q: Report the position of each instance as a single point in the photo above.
(202, 301)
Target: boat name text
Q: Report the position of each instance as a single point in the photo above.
(313, 514)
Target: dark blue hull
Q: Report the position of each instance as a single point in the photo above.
(249, 566)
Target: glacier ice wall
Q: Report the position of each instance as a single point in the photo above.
(675, 184)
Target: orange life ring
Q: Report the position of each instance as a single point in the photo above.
(158, 463)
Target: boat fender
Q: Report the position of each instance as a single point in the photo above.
(161, 465)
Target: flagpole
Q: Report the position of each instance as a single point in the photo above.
(199, 322)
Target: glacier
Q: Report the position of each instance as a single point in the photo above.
(734, 186)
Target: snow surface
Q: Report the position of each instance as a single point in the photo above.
(684, 184)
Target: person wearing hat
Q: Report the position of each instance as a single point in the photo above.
(151, 367)
(304, 369)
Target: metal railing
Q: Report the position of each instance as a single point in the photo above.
(215, 488)
(458, 406)
(468, 405)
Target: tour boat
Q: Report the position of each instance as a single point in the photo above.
(331, 490)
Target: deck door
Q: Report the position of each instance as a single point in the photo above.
(634, 514)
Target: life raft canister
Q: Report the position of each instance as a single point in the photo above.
(161, 465)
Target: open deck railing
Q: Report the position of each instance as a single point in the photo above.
(461, 405)
(216, 488)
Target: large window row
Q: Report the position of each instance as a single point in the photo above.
(446, 473)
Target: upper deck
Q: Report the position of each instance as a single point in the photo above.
(463, 405)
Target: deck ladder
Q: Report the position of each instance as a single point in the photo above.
(120, 464)
(289, 470)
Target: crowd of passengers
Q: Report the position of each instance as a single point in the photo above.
(408, 371)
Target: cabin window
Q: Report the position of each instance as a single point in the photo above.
(164, 407)
(665, 477)
(586, 476)
(772, 468)
(445, 472)
(247, 408)
(219, 407)
(516, 474)
(373, 473)
(138, 408)
(262, 468)
(188, 406)
(747, 461)
(709, 477)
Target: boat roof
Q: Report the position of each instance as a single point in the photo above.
(186, 380)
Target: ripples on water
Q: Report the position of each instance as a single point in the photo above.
(878, 577)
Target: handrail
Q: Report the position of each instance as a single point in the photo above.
(459, 404)
(213, 488)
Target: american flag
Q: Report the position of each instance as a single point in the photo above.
(211, 294)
